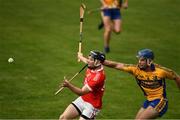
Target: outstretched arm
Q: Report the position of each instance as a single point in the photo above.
(113, 64)
(177, 79)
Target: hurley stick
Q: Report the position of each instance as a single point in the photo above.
(60, 89)
(82, 11)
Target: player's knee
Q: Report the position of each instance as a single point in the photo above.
(117, 31)
(108, 27)
(137, 117)
(108, 30)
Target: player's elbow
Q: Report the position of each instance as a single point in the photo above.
(81, 92)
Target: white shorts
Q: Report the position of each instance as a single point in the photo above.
(85, 109)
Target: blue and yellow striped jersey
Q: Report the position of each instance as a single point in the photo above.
(152, 83)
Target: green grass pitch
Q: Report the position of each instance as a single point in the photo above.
(42, 36)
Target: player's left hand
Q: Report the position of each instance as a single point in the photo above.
(125, 5)
(65, 83)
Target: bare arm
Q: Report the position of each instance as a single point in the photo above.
(125, 4)
(76, 90)
(177, 79)
(102, 2)
(82, 58)
(172, 75)
(113, 64)
(126, 1)
(104, 5)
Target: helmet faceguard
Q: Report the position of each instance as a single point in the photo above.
(98, 57)
(148, 55)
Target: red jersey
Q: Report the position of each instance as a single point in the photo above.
(95, 81)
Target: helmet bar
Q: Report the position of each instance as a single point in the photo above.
(97, 55)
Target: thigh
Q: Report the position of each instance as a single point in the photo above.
(89, 111)
(148, 113)
(106, 16)
(116, 18)
(117, 24)
(70, 112)
(141, 110)
(107, 22)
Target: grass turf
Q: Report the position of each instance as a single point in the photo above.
(42, 36)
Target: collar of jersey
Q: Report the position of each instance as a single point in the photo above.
(97, 70)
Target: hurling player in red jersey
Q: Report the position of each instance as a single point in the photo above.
(89, 102)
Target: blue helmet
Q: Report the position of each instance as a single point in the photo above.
(98, 55)
(146, 53)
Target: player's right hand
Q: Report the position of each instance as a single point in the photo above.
(79, 55)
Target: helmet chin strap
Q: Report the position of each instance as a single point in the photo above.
(149, 62)
(97, 63)
(142, 68)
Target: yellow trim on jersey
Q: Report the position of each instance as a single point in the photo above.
(161, 105)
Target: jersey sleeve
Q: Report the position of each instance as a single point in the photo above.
(95, 82)
(170, 74)
(129, 68)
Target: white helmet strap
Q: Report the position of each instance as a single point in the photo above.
(97, 63)
(149, 62)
